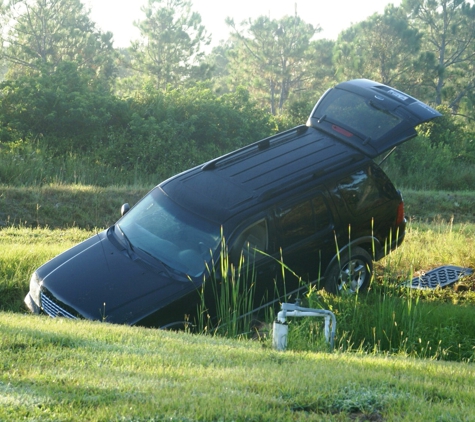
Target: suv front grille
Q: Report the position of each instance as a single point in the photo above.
(53, 309)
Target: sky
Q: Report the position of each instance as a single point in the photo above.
(117, 16)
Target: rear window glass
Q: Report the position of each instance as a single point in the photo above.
(357, 114)
(365, 190)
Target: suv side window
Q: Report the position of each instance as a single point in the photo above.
(295, 223)
(302, 220)
(252, 240)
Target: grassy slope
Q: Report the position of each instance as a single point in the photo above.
(90, 207)
(22, 250)
(66, 370)
(64, 206)
(429, 205)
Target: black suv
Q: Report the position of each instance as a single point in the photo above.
(311, 197)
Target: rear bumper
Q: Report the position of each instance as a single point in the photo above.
(400, 235)
(396, 239)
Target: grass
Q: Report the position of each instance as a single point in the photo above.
(65, 370)
(230, 296)
(55, 369)
(428, 246)
(64, 206)
(390, 319)
(22, 251)
(396, 320)
(387, 322)
(25, 163)
(430, 205)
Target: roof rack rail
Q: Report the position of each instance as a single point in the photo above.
(300, 180)
(260, 145)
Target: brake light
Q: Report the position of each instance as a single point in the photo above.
(400, 213)
(342, 131)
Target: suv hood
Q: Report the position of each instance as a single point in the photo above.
(99, 280)
(370, 116)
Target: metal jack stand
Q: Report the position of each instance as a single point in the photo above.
(281, 328)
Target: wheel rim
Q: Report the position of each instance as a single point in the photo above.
(353, 275)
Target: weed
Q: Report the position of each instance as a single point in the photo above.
(228, 295)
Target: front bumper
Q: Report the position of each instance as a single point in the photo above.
(48, 306)
(31, 304)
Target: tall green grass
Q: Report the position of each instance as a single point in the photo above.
(228, 296)
(24, 164)
(389, 319)
(385, 321)
(394, 319)
(416, 164)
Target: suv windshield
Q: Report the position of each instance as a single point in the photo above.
(174, 236)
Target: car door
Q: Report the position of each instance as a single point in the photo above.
(251, 253)
(370, 116)
(304, 235)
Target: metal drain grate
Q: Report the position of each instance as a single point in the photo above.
(439, 277)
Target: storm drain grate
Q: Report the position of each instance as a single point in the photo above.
(439, 277)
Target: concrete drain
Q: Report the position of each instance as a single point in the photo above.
(439, 277)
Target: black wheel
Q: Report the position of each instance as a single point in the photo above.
(350, 274)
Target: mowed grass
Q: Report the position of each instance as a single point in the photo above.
(63, 370)
(24, 249)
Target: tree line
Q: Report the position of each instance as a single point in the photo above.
(66, 88)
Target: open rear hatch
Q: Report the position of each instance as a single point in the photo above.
(370, 116)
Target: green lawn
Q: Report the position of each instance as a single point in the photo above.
(63, 370)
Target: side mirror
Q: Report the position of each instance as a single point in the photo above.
(124, 209)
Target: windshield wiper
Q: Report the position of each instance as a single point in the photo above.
(128, 243)
(170, 271)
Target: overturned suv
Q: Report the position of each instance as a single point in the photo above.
(311, 197)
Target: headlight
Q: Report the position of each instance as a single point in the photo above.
(32, 299)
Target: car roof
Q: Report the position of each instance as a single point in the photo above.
(264, 170)
(333, 140)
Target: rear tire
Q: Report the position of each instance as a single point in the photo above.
(350, 274)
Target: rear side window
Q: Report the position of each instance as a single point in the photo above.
(366, 189)
(299, 221)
